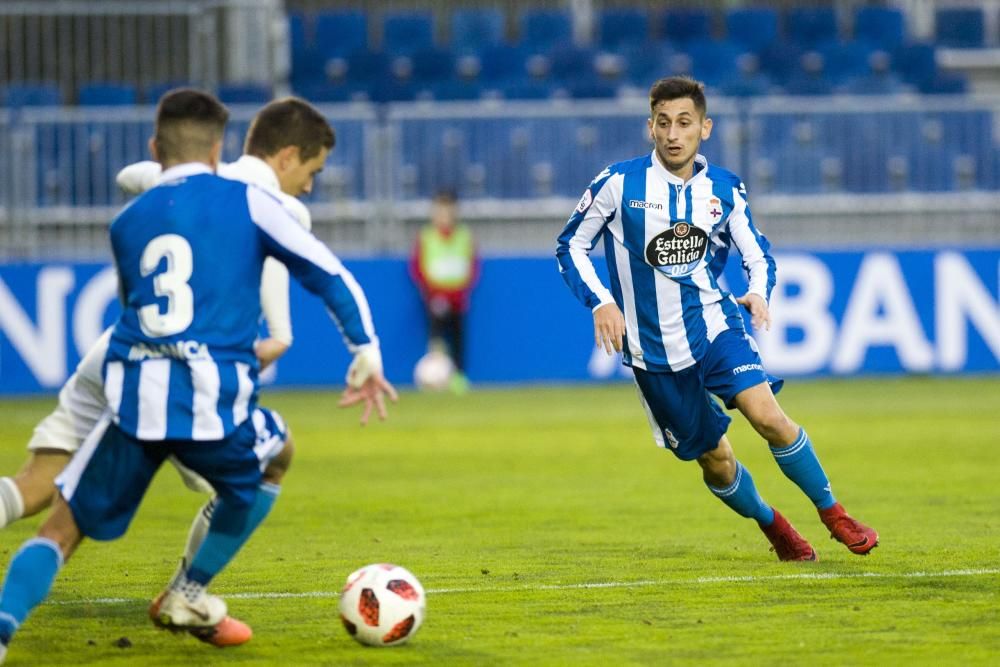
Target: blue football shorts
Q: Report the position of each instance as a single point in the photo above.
(107, 478)
(682, 413)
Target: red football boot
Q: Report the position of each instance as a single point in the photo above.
(227, 632)
(856, 536)
(786, 541)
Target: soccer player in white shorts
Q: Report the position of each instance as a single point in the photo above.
(271, 161)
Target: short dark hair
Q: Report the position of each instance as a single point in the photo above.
(678, 87)
(289, 122)
(188, 123)
(446, 196)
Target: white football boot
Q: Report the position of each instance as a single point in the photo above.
(177, 611)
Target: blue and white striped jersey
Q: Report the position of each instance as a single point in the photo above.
(666, 244)
(189, 252)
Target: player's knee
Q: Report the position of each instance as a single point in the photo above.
(719, 465)
(775, 426)
(36, 481)
(278, 466)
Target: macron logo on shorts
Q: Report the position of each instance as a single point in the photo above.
(747, 367)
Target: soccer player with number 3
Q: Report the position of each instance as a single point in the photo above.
(180, 373)
(668, 220)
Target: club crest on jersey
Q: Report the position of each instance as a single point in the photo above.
(714, 209)
(638, 203)
(677, 250)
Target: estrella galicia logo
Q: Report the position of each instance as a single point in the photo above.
(679, 249)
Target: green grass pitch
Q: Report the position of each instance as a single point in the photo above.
(549, 530)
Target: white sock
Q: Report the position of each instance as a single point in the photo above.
(199, 528)
(11, 502)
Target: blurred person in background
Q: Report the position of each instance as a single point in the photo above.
(445, 267)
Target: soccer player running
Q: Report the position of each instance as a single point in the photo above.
(287, 144)
(180, 375)
(667, 220)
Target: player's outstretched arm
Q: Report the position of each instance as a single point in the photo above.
(139, 176)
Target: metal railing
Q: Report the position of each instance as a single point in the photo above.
(907, 171)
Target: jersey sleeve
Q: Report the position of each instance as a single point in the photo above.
(274, 300)
(313, 265)
(596, 209)
(139, 176)
(753, 246)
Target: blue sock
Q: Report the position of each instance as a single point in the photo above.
(799, 463)
(28, 581)
(229, 530)
(742, 497)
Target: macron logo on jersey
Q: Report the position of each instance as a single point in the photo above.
(638, 203)
(185, 350)
(747, 367)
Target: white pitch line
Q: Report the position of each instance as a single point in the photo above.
(698, 581)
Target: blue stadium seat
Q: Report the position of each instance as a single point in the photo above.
(407, 32)
(152, 92)
(456, 89)
(714, 60)
(881, 26)
(502, 62)
(306, 61)
(340, 33)
(845, 60)
(244, 93)
(364, 66)
(684, 25)
(571, 63)
(541, 29)
(944, 84)
(960, 27)
(645, 62)
(433, 64)
(780, 60)
(327, 91)
(473, 29)
(752, 28)
(915, 63)
(810, 26)
(619, 27)
(30, 95)
(107, 95)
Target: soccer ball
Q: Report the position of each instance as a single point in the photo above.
(382, 605)
(433, 371)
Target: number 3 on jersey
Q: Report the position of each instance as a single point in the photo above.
(171, 283)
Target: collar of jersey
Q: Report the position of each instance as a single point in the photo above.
(700, 167)
(250, 169)
(183, 170)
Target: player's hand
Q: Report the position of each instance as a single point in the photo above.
(609, 328)
(760, 316)
(268, 351)
(372, 393)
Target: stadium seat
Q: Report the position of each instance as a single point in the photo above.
(780, 60)
(960, 27)
(244, 93)
(572, 63)
(30, 95)
(846, 60)
(307, 64)
(473, 29)
(619, 27)
(433, 64)
(684, 25)
(541, 29)
(340, 33)
(327, 91)
(645, 62)
(502, 62)
(365, 66)
(915, 63)
(107, 95)
(944, 84)
(752, 28)
(880, 26)
(810, 26)
(713, 60)
(456, 89)
(404, 33)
